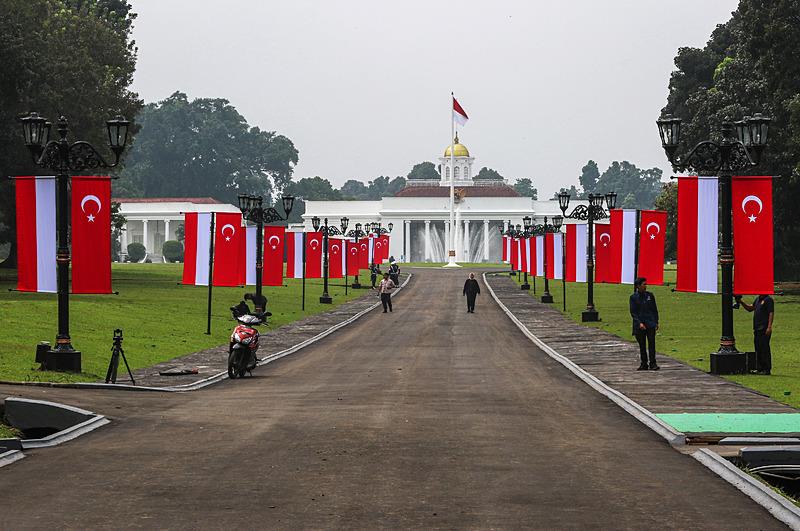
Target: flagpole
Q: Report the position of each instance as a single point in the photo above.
(210, 272)
(451, 251)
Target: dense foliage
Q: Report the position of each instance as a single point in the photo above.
(635, 187)
(136, 252)
(525, 188)
(172, 251)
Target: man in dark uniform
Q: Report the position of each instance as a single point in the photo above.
(645, 323)
(763, 309)
(471, 290)
(374, 272)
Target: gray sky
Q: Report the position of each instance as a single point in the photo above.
(362, 87)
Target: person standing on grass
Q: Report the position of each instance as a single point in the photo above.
(471, 290)
(645, 323)
(386, 288)
(763, 309)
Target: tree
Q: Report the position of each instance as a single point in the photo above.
(423, 170)
(118, 222)
(206, 146)
(383, 187)
(353, 189)
(635, 188)
(590, 174)
(310, 189)
(489, 174)
(525, 188)
(74, 58)
(667, 200)
(572, 191)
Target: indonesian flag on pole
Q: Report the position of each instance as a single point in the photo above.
(540, 256)
(698, 216)
(274, 237)
(335, 258)
(459, 114)
(197, 247)
(523, 254)
(227, 249)
(602, 252)
(353, 258)
(576, 253)
(36, 234)
(555, 255)
(652, 226)
(91, 234)
(753, 266)
(363, 253)
(623, 247)
(515, 254)
(530, 255)
(506, 248)
(294, 254)
(314, 255)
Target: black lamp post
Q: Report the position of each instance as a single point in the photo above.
(253, 210)
(520, 232)
(63, 158)
(356, 234)
(740, 148)
(590, 213)
(544, 230)
(327, 231)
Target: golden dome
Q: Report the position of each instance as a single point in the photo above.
(459, 150)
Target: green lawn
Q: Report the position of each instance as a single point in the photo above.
(690, 326)
(462, 264)
(159, 318)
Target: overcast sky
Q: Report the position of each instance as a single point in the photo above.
(363, 88)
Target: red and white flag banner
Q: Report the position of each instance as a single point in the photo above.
(353, 258)
(523, 254)
(515, 254)
(36, 234)
(698, 218)
(753, 261)
(602, 252)
(530, 255)
(314, 255)
(652, 226)
(576, 253)
(336, 257)
(506, 248)
(540, 256)
(363, 253)
(459, 114)
(294, 254)
(555, 255)
(197, 247)
(623, 247)
(274, 238)
(91, 234)
(228, 233)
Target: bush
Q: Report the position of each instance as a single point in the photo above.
(136, 252)
(172, 251)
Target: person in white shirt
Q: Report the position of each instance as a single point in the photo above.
(386, 288)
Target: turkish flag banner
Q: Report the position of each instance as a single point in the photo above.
(652, 227)
(353, 258)
(228, 233)
(515, 254)
(753, 261)
(274, 238)
(314, 255)
(363, 253)
(91, 234)
(385, 241)
(602, 253)
(335, 258)
(36, 234)
(505, 248)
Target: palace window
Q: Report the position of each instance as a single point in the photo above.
(447, 173)
(455, 172)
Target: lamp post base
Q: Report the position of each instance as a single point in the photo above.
(326, 299)
(590, 316)
(525, 286)
(728, 362)
(62, 360)
(355, 285)
(547, 298)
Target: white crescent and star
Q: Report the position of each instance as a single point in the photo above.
(313, 244)
(233, 231)
(277, 241)
(94, 198)
(605, 244)
(335, 249)
(756, 200)
(353, 250)
(653, 224)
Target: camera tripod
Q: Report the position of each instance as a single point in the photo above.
(116, 352)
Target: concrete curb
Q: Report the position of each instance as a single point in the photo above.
(92, 422)
(777, 505)
(200, 384)
(11, 456)
(674, 437)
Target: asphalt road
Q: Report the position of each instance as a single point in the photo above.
(428, 417)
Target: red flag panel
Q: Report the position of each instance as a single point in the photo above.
(363, 253)
(687, 234)
(228, 232)
(91, 234)
(602, 246)
(335, 250)
(752, 233)
(505, 249)
(353, 258)
(652, 229)
(571, 241)
(549, 255)
(274, 240)
(27, 261)
(314, 255)
(515, 254)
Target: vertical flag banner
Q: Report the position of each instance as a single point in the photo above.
(227, 249)
(249, 260)
(314, 255)
(335, 258)
(353, 258)
(651, 246)
(363, 253)
(523, 254)
(753, 266)
(515, 254)
(698, 216)
(540, 256)
(530, 255)
(576, 253)
(377, 254)
(505, 248)
(294, 254)
(91, 234)
(555, 255)
(623, 247)
(36, 234)
(197, 246)
(274, 238)
(602, 252)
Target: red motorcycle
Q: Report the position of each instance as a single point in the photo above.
(244, 341)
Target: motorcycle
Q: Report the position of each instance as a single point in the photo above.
(244, 340)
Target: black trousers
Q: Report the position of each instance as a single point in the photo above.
(763, 353)
(386, 300)
(648, 350)
(372, 279)
(471, 302)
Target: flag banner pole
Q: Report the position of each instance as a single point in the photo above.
(210, 272)
(564, 270)
(636, 248)
(303, 307)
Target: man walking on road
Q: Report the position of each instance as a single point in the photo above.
(764, 311)
(386, 288)
(645, 323)
(471, 290)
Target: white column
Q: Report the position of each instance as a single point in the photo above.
(466, 240)
(459, 244)
(427, 240)
(485, 240)
(447, 234)
(406, 240)
(123, 240)
(166, 230)
(144, 234)
(505, 226)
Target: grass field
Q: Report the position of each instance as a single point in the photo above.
(159, 318)
(462, 264)
(690, 326)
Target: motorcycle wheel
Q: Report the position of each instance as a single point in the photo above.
(233, 365)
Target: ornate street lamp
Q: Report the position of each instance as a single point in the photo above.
(327, 231)
(253, 210)
(543, 230)
(356, 234)
(732, 154)
(63, 158)
(591, 213)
